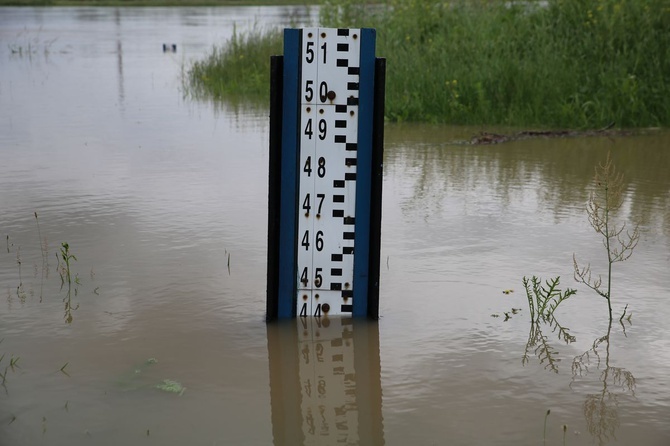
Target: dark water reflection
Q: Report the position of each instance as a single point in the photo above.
(163, 200)
(325, 382)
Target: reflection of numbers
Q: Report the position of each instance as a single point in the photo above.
(308, 387)
(324, 422)
(319, 352)
(310, 421)
(321, 388)
(305, 354)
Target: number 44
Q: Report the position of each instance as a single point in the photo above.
(303, 310)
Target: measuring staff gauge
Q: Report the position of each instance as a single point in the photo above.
(325, 251)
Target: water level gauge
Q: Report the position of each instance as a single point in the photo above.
(325, 174)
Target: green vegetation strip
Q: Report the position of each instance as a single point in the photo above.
(143, 3)
(555, 63)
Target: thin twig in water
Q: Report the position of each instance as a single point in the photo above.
(544, 435)
(39, 234)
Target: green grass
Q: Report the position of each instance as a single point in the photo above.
(238, 70)
(143, 3)
(571, 63)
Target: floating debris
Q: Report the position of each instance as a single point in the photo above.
(168, 385)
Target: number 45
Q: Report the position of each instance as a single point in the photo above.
(318, 278)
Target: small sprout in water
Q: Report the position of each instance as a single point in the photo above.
(95, 291)
(495, 315)
(12, 420)
(508, 291)
(544, 436)
(147, 432)
(63, 371)
(152, 361)
(66, 406)
(507, 317)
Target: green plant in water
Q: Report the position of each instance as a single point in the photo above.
(168, 385)
(66, 275)
(19, 289)
(543, 301)
(67, 257)
(13, 364)
(606, 198)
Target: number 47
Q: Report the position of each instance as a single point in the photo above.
(307, 206)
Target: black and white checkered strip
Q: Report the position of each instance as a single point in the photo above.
(350, 60)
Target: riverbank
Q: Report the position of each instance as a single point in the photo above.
(561, 63)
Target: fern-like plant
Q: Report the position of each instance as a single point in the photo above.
(543, 300)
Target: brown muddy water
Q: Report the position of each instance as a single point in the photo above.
(163, 201)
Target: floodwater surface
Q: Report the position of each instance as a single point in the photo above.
(160, 336)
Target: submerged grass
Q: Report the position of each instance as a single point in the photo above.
(557, 63)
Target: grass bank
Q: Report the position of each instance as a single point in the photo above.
(238, 70)
(144, 3)
(558, 63)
